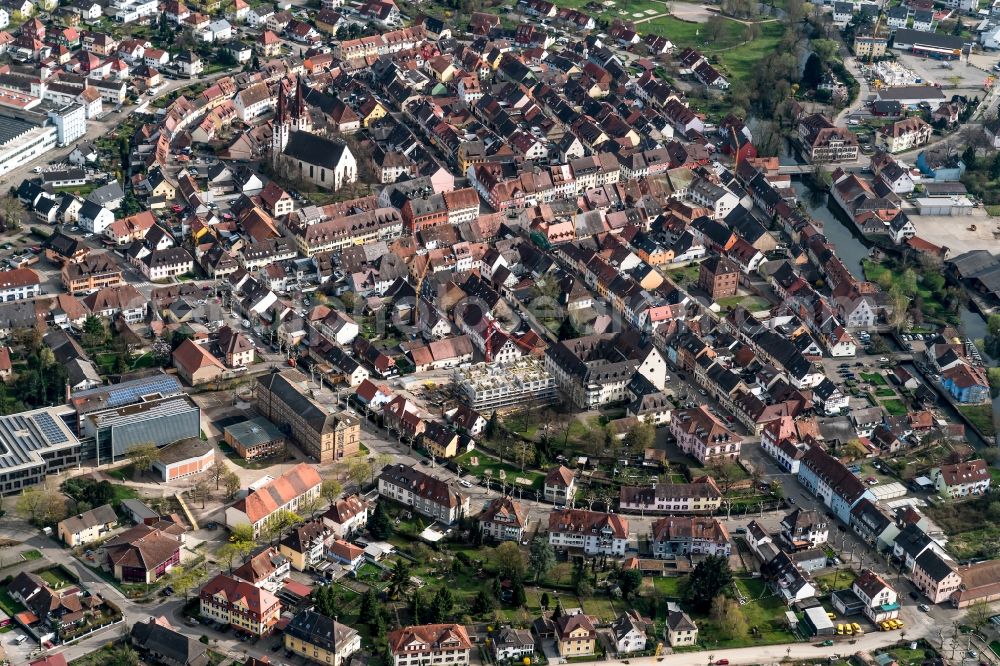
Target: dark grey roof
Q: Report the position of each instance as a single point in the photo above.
(908, 36)
(255, 431)
(105, 193)
(313, 149)
(934, 565)
(11, 128)
(320, 630)
(90, 210)
(170, 646)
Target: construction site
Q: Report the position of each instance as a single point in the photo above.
(505, 387)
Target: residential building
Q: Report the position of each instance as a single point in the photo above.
(629, 632)
(595, 370)
(427, 495)
(416, 645)
(825, 142)
(805, 528)
(195, 364)
(703, 436)
(513, 645)
(158, 642)
(689, 535)
(280, 397)
(503, 519)
(681, 629)
(559, 486)
(304, 544)
(934, 576)
(870, 46)
(346, 516)
(828, 479)
(980, 584)
(903, 135)
(961, 479)
(240, 605)
(320, 638)
(145, 553)
(575, 635)
(19, 284)
(267, 568)
(702, 495)
(93, 272)
(288, 492)
(718, 276)
(880, 601)
(87, 527)
(592, 532)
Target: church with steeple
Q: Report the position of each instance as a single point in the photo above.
(298, 153)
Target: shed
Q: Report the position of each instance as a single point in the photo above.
(818, 622)
(888, 491)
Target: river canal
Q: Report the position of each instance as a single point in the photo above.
(852, 250)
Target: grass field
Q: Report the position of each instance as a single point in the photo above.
(894, 407)
(874, 378)
(741, 61)
(833, 581)
(512, 472)
(55, 578)
(668, 585)
(31, 555)
(751, 303)
(8, 604)
(764, 612)
(981, 416)
(884, 392)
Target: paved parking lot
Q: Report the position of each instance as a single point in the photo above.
(956, 233)
(954, 77)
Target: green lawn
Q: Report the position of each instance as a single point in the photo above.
(685, 275)
(8, 604)
(981, 416)
(885, 393)
(763, 610)
(874, 378)
(895, 407)
(995, 476)
(31, 555)
(683, 33)
(835, 581)
(741, 61)
(669, 586)
(55, 578)
(486, 462)
(904, 656)
(751, 303)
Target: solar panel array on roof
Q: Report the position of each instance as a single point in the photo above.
(132, 391)
(24, 437)
(50, 429)
(11, 128)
